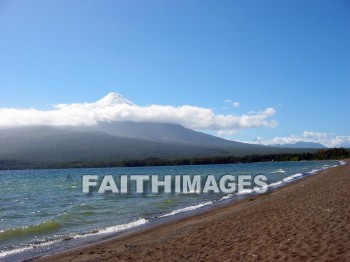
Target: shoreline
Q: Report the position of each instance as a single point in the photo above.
(167, 239)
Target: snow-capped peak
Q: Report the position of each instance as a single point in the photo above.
(113, 99)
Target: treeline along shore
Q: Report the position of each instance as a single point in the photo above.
(324, 154)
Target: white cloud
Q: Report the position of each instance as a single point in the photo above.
(226, 132)
(326, 139)
(236, 104)
(114, 107)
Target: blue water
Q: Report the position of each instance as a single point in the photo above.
(41, 209)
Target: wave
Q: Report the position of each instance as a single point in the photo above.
(245, 191)
(278, 171)
(14, 251)
(274, 184)
(289, 178)
(240, 193)
(190, 208)
(50, 225)
(76, 212)
(226, 197)
(314, 171)
(259, 190)
(122, 227)
(40, 228)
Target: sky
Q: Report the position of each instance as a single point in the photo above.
(255, 71)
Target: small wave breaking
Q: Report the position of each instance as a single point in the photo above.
(278, 171)
(122, 227)
(190, 208)
(38, 229)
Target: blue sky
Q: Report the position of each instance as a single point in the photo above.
(292, 56)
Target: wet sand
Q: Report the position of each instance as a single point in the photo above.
(306, 220)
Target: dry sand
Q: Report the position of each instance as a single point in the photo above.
(307, 220)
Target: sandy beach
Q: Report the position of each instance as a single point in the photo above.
(306, 220)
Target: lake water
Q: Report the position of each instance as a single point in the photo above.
(42, 210)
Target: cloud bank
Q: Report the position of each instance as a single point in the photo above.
(114, 107)
(326, 139)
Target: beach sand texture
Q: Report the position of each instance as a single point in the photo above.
(307, 220)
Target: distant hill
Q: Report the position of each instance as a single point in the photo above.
(300, 144)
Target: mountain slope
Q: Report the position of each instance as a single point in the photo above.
(45, 145)
(162, 132)
(61, 144)
(115, 141)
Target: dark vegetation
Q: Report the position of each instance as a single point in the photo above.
(324, 154)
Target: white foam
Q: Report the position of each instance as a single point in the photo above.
(226, 197)
(245, 191)
(123, 227)
(314, 171)
(327, 166)
(174, 212)
(263, 188)
(253, 190)
(279, 171)
(289, 178)
(21, 249)
(275, 184)
(111, 229)
(14, 251)
(342, 163)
